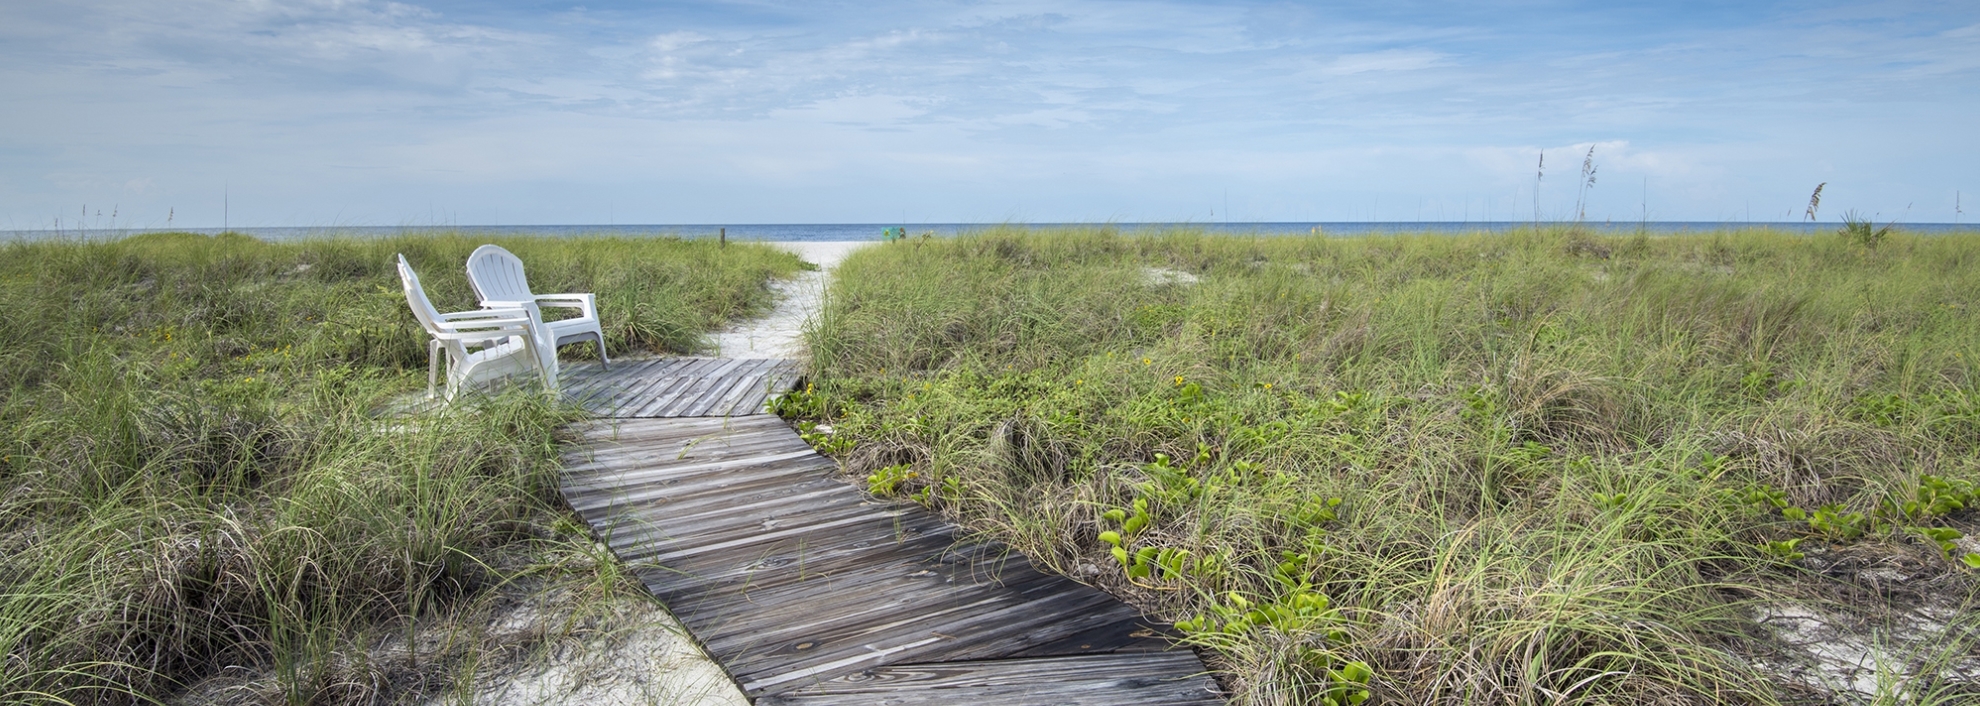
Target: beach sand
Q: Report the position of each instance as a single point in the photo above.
(780, 334)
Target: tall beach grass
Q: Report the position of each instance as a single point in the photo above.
(195, 485)
(1532, 467)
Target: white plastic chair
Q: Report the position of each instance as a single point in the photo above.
(484, 344)
(497, 277)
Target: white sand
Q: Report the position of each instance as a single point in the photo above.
(781, 334)
(639, 656)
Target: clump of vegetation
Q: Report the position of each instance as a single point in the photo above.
(194, 484)
(1499, 468)
(1862, 231)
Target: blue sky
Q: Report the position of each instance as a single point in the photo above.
(352, 112)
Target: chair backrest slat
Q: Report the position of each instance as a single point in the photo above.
(422, 307)
(497, 275)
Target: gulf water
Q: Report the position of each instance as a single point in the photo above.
(800, 232)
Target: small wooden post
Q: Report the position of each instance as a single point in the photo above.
(723, 237)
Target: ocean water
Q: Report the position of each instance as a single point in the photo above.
(801, 232)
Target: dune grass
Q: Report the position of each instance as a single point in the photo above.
(196, 485)
(1533, 467)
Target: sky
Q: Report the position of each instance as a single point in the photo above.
(269, 113)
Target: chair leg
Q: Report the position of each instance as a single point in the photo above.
(603, 360)
(550, 373)
(546, 369)
(455, 370)
(432, 366)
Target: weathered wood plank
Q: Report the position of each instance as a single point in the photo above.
(678, 500)
(658, 449)
(571, 378)
(779, 379)
(1018, 672)
(1106, 636)
(704, 386)
(839, 521)
(716, 436)
(1164, 679)
(697, 378)
(649, 446)
(682, 457)
(602, 388)
(690, 377)
(854, 609)
(635, 386)
(675, 387)
(796, 558)
(605, 433)
(853, 578)
(722, 395)
(756, 402)
(968, 631)
(721, 401)
(586, 370)
(654, 491)
(617, 472)
(810, 567)
(658, 397)
(661, 457)
(652, 504)
(617, 384)
(927, 634)
(673, 382)
(764, 511)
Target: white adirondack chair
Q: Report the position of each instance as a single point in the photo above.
(480, 345)
(497, 277)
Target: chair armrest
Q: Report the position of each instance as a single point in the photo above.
(573, 296)
(486, 323)
(476, 337)
(499, 304)
(586, 302)
(487, 316)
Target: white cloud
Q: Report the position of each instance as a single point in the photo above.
(674, 41)
(858, 111)
(1387, 60)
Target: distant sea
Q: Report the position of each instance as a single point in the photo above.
(800, 232)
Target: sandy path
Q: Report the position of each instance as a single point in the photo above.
(780, 334)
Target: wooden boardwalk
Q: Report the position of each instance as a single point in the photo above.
(646, 387)
(809, 591)
(677, 387)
